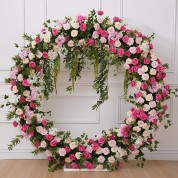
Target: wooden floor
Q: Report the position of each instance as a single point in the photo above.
(39, 169)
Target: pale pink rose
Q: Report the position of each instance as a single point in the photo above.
(140, 72)
(70, 43)
(62, 152)
(58, 139)
(103, 40)
(111, 30)
(89, 149)
(154, 64)
(26, 93)
(140, 123)
(140, 100)
(101, 159)
(43, 144)
(152, 104)
(111, 159)
(153, 113)
(130, 41)
(20, 77)
(48, 153)
(145, 77)
(82, 42)
(95, 35)
(105, 151)
(66, 26)
(25, 60)
(100, 19)
(132, 50)
(112, 143)
(19, 112)
(126, 66)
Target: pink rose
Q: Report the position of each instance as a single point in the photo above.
(49, 137)
(74, 165)
(54, 31)
(15, 124)
(112, 50)
(32, 105)
(101, 140)
(123, 28)
(83, 27)
(90, 42)
(99, 31)
(88, 165)
(111, 42)
(81, 148)
(165, 107)
(91, 140)
(87, 155)
(116, 19)
(37, 144)
(37, 39)
(165, 93)
(45, 55)
(152, 81)
(100, 12)
(133, 83)
(72, 157)
(158, 97)
(138, 50)
(144, 86)
(43, 30)
(146, 60)
(127, 53)
(149, 140)
(53, 143)
(159, 68)
(25, 83)
(49, 158)
(112, 137)
(95, 146)
(104, 33)
(150, 46)
(132, 147)
(159, 75)
(160, 114)
(67, 148)
(134, 61)
(125, 39)
(120, 52)
(139, 94)
(38, 69)
(44, 122)
(163, 74)
(167, 87)
(119, 165)
(25, 127)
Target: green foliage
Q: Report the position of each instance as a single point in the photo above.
(56, 70)
(14, 142)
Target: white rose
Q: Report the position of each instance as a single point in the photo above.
(89, 149)
(99, 151)
(43, 144)
(118, 25)
(20, 77)
(140, 123)
(96, 26)
(53, 131)
(72, 145)
(14, 89)
(109, 22)
(111, 159)
(25, 61)
(152, 104)
(105, 151)
(146, 107)
(66, 26)
(154, 64)
(33, 44)
(122, 152)
(103, 40)
(52, 55)
(145, 77)
(153, 57)
(130, 120)
(136, 129)
(99, 167)
(19, 112)
(126, 66)
(138, 40)
(26, 93)
(101, 159)
(62, 152)
(145, 126)
(149, 97)
(78, 155)
(153, 113)
(146, 133)
(56, 48)
(111, 30)
(68, 160)
(74, 33)
(114, 149)
(117, 44)
(112, 143)
(75, 25)
(138, 84)
(129, 113)
(139, 142)
(152, 71)
(47, 38)
(129, 61)
(132, 50)
(31, 56)
(144, 68)
(39, 54)
(145, 46)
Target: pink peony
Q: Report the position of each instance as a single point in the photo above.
(25, 83)
(134, 61)
(45, 55)
(54, 31)
(88, 165)
(146, 60)
(100, 12)
(111, 42)
(104, 33)
(15, 124)
(116, 19)
(53, 143)
(83, 27)
(49, 137)
(152, 81)
(37, 40)
(90, 42)
(120, 52)
(127, 53)
(112, 50)
(44, 122)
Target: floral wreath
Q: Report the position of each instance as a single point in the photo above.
(97, 41)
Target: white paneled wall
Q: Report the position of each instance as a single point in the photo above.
(73, 111)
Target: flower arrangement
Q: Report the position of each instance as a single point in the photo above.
(96, 41)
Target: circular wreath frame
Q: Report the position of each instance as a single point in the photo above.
(99, 42)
